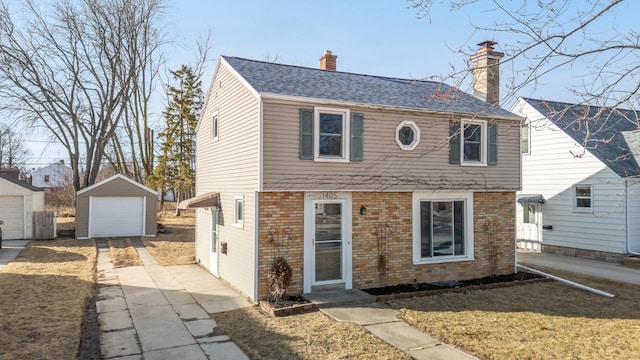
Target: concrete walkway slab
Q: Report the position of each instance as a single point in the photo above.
(189, 312)
(373, 313)
(10, 250)
(116, 320)
(159, 327)
(179, 297)
(190, 352)
(224, 351)
(611, 271)
(110, 305)
(144, 294)
(402, 335)
(108, 292)
(440, 352)
(118, 343)
(201, 328)
(163, 278)
(133, 275)
(221, 300)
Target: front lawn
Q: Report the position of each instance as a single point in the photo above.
(43, 299)
(176, 246)
(539, 321)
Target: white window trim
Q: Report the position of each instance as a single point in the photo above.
(484, 143)
(574, 199)
(416, 135)
(346, 134)
(528, 126)
(238, 223)
(215, 126)
(467, 197)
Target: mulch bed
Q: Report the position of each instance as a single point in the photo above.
(404, 291)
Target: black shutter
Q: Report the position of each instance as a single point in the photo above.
(454, 142)
(493, 145)
(357, 130)
(306, 134)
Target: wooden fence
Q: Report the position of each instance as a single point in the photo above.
(44, 225)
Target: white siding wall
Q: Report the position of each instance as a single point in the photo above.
(229, 166)
(552, 170)
(633, 191)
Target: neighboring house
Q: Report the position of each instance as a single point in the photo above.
(52, 176)
(580, 179)
(18, 201)
(117, 206)
(358, 181)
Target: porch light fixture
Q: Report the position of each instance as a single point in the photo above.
(363, 210)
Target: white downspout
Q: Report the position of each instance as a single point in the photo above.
(627, 218)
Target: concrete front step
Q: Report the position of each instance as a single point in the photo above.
(338, 298)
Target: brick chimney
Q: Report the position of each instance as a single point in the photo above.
(486, 73)
(328, 61)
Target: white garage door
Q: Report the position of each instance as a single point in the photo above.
(116, 216)
(12, 214)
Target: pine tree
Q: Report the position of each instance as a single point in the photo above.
(175, 169)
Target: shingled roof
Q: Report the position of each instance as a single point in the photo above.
(289, 80)
(611, 135)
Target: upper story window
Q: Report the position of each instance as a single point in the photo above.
(583, 198)
(525, 139)
(238, 211)
(407, 135)
(46, 178)
(214, 126)
(331, 134)
(473, 143)
(442, 227)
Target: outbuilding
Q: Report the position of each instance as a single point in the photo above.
(18, 201)
(117, 206)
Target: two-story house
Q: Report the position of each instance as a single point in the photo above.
(52, 176)
(358, 181)
(580, 179)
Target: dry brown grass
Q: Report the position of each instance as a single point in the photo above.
(43, 299)
(122, 253)
(539, 321)
(305, 336)
(177, 245)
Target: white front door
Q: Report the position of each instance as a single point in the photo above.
(530, 229)
(327, 238)
(214, 243)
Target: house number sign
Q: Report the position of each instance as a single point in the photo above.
(328, 195)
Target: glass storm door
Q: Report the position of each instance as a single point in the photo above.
(213, 262)
(328, 243)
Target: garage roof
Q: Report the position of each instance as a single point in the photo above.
(114, 177)
(19, 183)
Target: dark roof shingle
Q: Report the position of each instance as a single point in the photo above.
(299, 81)
(609, 134)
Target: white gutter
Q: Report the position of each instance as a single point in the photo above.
(627, 210)
(568, 282)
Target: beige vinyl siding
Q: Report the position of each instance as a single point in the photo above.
(229, 166)
(385, 167)
(119, 188)
(552, 170)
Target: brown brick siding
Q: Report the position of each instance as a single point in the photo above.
(382, 239)
(583, 253)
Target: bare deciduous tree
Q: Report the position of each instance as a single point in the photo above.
(547, 38)
(76, 69)
(13, 153)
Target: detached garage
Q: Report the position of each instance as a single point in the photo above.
(117, 206)
(18, 201)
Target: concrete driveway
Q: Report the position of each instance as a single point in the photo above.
(11, 249)
(612, 271)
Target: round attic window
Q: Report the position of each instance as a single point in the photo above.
(407, 135)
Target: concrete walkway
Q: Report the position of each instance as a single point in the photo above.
(382, 321)
(10, 250)
(612, 271)
(155, 312)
